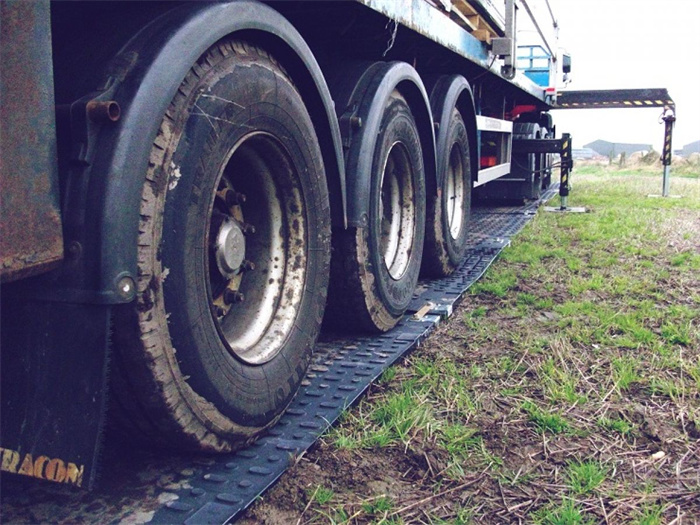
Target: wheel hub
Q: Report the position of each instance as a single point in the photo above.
(257, 249)
(230, 248)
(396, 211)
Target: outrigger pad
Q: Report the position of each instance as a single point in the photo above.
(54, 368)
(568, 209)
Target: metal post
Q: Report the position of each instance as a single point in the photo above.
(669, 117)
(566, 165)
(667, 182)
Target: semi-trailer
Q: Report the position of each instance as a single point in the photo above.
(191, 189)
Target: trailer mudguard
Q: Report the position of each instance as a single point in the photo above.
(142, 79)
(447, 92)
(361, 91)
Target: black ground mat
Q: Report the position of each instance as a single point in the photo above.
(337, 377)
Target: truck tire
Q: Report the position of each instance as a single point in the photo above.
(527, 165)
(375, 269)
(448, 212)
(233, 258)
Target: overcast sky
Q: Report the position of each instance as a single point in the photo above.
(632, 44)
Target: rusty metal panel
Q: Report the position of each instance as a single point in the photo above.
(30, 222)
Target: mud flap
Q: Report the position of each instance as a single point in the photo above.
(54, 368)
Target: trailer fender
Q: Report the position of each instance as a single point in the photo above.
(361, 91)
(447, 92)
(144, 77)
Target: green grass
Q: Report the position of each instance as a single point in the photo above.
(388, 375)
(526, 299)
(337, 517)
(395, 419)
(625, 372)
(554, 423)
(499, 283)
(667, 387)
(462, 443)
(321, 495)
(619, 426)
(566, 513)
(379, 505)
(650, 515)
(583, 477)
(686, 260)
(479, 311)
(400, 415)
(578, 348)
(677, 333)
(560, 384)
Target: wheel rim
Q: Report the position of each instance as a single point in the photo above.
(257, 249)
(397, 211)
(454, 191)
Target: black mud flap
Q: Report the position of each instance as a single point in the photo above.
(54, 365)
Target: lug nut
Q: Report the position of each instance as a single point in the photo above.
(248, 229)
(234, 198)
(220, 312)
(231, 297)
(126, 288)
(247, 265)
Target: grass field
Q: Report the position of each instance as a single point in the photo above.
(564, 390)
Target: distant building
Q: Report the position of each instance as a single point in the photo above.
(583, 154)
(693, 147)
(613, 149)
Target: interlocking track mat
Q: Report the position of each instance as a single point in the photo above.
(140, 486)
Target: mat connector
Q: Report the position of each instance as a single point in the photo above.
(423, 311)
